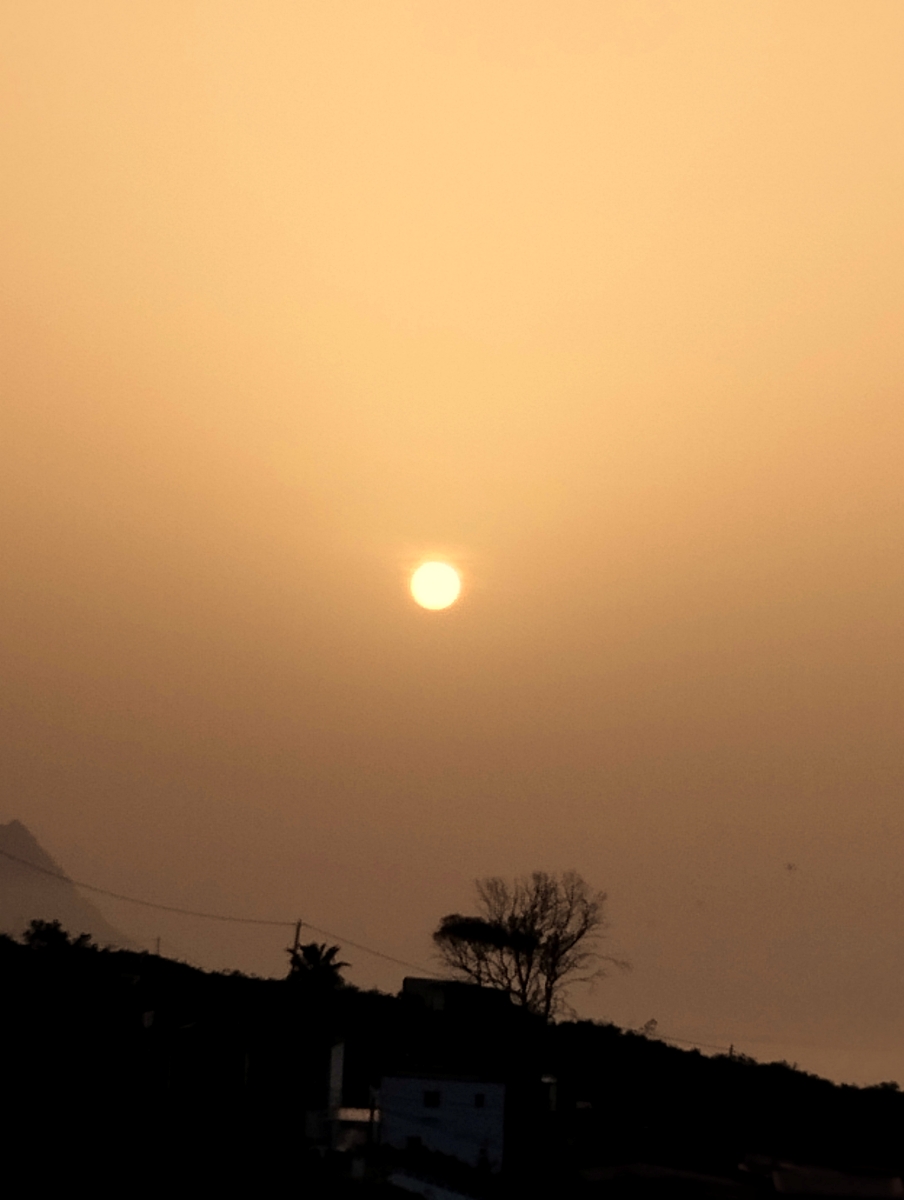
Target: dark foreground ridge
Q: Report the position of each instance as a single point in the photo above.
(129, 1071)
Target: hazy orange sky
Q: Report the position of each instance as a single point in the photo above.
(601, 300)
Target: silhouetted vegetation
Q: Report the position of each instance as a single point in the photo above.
(50, 935)
(317, 964)
(138, 1068)
(532, 938)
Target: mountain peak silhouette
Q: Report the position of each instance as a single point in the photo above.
(29, 891)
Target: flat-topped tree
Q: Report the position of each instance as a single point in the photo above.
(533, 938)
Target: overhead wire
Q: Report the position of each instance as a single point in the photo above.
(207, 916)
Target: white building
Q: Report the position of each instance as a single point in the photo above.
(350, 1128)
(460, 1117)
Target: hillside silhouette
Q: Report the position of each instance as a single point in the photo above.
(136, 1067)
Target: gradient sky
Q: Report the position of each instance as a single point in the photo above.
(599, 299)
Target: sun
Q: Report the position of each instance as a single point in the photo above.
(435, 585)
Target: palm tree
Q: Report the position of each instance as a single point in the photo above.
(316, 962)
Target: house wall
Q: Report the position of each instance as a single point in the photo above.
(458, 1124)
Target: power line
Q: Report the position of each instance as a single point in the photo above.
(182, 912)
(187, 912)
(206, 916)
(400, 962)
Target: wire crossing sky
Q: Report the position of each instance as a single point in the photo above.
(206, 916)
(596, 303)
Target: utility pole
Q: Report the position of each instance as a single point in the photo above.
(294, 963)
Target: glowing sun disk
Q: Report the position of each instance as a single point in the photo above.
(435, 585)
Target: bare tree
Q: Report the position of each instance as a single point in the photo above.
(534, 938)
